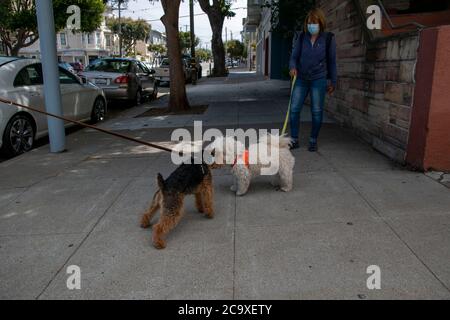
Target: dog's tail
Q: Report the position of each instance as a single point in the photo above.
(284, 142)
(160, 180)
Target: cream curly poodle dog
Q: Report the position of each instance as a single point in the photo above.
(249, 163)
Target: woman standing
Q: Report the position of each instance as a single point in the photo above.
(313, 61)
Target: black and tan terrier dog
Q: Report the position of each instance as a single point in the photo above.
(186, 179)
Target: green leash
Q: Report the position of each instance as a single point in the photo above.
(289, 107)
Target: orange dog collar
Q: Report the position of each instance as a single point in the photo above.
(245, 158)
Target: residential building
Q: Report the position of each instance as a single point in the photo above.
(268, 52)
(141, 48)
(80, 47)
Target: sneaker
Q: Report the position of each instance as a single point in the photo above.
(294, 145)
(312, 147)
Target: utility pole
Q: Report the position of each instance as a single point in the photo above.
(231, 32)
(226, 40)
(120, 30)
(191, 13)
(52, 90)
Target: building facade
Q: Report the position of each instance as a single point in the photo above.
(80, 47)
(142, 51)
(392, 83)
(390, 89)
(268, 52)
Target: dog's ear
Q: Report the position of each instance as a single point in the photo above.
(161, 183)
(213, 152)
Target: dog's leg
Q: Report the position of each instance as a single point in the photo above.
(147, 216)
(208, 198)
(275, 180)
(166, 223)
(199, 202)
(286, 173)
(243, 177)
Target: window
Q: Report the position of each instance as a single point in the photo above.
(29, 76)
(141, 68)
(62, 39)
(65, 77)
(98, 38)
(89, 38)
(108, 40)
(110, 65)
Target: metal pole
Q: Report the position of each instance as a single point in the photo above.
(191, 13)
(52, 92)
(226, 40)
(120, 31)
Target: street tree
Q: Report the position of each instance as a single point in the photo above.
(217, 11)
(185, 41)
(203, 54)
(235, 48)
(18, 22)
(157, 48)
(177, 99)
(131, 31)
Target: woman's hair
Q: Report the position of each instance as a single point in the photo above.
(316, 15)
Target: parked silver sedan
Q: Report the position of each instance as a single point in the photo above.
(122, 78)
(21, 81)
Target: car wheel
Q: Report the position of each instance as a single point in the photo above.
(155, 92)
(98, 110)
(18, 136)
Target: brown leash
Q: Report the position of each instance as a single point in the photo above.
(123, 136)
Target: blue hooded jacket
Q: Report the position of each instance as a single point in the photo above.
(312, 65)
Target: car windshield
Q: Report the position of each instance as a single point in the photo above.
(165, 62)
(110, 65)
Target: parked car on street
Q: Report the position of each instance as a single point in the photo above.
(21, 81)
(122, 78)
(162, 73)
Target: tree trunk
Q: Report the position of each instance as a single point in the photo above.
(216, 19)
(218, 51)
(14, 51)
(177, 100)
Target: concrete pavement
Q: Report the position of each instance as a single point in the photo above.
(350, 208)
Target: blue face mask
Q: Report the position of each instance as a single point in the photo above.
(313, 28)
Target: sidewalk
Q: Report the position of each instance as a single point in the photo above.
(350, 208)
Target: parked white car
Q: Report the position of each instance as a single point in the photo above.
(21, 81)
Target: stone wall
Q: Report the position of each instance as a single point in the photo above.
(375, 80)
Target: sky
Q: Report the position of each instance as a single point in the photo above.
(152, 12)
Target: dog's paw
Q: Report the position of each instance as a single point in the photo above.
(285, 189)
(240, 194)
(233, 188)
(145, 223)
(159, 245)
